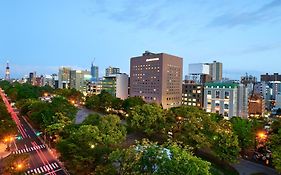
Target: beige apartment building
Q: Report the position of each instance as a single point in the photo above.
(157, 78)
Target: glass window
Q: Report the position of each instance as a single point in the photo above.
(226, 95)
(209, 92)
(226, 106)
(217, 94)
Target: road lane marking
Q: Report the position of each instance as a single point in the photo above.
(53, 165)
(26, 150)
(56, 165)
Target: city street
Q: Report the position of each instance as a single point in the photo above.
(245, 167)
(41, 159)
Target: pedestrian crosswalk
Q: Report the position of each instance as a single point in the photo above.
(52, 167)
(26, 150)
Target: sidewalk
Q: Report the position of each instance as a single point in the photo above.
(245, 167)
(3, 152)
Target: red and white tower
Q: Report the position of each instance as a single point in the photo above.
(7, 73)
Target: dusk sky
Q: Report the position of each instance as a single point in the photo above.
(42, 35)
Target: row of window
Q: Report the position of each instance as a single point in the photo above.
(217, 105)
(218, 94)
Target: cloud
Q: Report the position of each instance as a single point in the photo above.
(267, 12)
(254, 49)
(138, 13)
(259, 48)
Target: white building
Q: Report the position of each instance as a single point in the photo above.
(198, 69)
(227, 99)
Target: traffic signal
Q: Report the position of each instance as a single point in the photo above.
(38, 133)
(19, 137)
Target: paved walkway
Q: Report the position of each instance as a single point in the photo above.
(83, 113)
(245, 167)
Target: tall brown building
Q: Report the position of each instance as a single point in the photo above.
(157, 78)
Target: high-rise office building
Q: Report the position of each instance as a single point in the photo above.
(55, 79)
(64, 77)
(94, 72)
(32, 78)
(79, 80)
(216, 71)
(7, 72)
(157, 78)
(111, 71)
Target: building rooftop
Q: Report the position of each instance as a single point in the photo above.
(221, 85)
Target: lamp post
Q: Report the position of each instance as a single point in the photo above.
(8, 141)
(179, 120)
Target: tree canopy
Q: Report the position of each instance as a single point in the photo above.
(151, 158)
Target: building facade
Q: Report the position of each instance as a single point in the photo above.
(112, 70)
(216, 69)
(116, 85)
(157, 78)
(79, 80)
(227, 99)
(274, 77)
(64, 77)
(256, 106)
(192, 94)
(94, 72)
(94, 88)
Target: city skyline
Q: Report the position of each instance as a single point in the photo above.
(73, 34)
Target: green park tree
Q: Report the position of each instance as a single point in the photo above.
(275, 145)
(244, 130)
(148, 118)
(225, 142)
(132, 102)
(151, 158)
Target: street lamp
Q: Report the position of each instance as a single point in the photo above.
(261, 135)
(19, 166)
